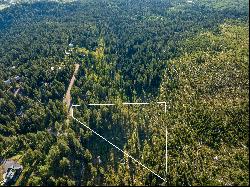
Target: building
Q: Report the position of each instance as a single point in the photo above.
(12, 170)
(7, 81)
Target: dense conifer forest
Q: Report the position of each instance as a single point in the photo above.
(193, 55)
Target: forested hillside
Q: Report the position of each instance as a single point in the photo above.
(193, 55)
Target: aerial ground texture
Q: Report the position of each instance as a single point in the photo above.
(193, 55)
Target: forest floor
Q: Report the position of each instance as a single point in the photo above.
(67, 98)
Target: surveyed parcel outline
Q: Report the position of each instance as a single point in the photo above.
(135, 160)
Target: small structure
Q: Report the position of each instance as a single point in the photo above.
(7, 81)
(17, 78)
(71, 45)
(12, 170)
(52, 68)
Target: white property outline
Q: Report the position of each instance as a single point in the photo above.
(95, 104)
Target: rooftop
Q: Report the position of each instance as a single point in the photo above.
(11, 164)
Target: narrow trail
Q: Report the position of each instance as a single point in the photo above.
(67, 98)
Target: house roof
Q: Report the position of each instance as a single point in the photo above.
(11, 164)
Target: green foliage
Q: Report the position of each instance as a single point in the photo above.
(194, 56)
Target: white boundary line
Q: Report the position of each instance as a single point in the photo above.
(119, 148)
(95, 104)
(76, 105)
(165, 110)
(135, 103)
(166, 151)
(111, 104)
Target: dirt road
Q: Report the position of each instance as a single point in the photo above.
(67, 98)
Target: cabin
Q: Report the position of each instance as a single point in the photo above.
(71, 45)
